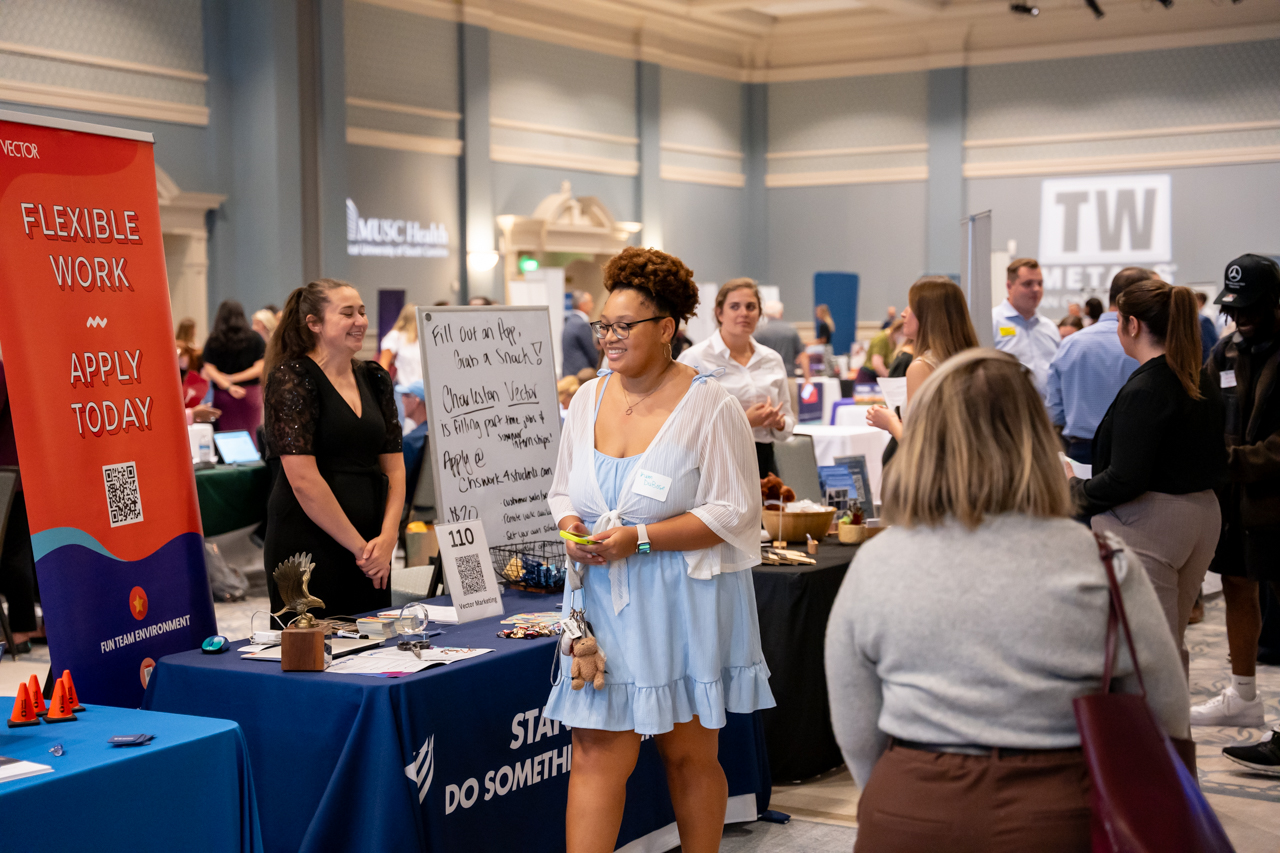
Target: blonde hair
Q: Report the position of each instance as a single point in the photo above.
(977, 442)
(407, 323)
(267, 318)
(823, 313)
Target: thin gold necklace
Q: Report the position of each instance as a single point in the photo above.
(630, 405)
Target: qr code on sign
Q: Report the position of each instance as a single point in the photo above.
(471, 573)
(123, 501)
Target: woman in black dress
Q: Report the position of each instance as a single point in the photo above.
(233, 363)
(332, 422)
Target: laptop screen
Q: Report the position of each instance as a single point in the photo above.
(236, 447)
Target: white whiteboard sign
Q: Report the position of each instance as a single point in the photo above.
(494, 417)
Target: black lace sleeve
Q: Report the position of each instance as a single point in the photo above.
(291, 409)
(385, 393)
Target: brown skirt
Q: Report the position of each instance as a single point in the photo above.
(922, 802)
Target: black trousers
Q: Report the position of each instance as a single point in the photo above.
(18, 569)
(764, 459)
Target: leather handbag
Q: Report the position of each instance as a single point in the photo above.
(1144, 799)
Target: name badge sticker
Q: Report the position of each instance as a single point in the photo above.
(1227, 378)
(1008, 331)
(652, 485)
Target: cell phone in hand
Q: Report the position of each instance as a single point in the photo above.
(573, 537)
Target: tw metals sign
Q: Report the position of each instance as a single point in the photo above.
(1111, 219)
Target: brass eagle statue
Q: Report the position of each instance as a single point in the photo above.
(291, 578)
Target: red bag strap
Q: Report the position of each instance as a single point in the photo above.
(1116, 614)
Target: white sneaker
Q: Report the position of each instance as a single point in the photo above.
(1228, 709)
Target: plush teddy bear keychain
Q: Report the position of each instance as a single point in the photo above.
(588, 664)
(577, 641)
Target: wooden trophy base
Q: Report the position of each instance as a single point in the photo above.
(302, 650)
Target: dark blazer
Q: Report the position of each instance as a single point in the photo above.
(1155, 438)
(578, 346)
(1251, 405)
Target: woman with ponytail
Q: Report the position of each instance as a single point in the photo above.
(1159, 451)
(332, 422)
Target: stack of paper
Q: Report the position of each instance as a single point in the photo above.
(445, 615)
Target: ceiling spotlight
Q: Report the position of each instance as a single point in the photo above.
(1095, 8)
(1024, 9)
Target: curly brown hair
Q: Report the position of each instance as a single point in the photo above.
(663, 280)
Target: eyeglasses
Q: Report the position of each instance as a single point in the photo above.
(621, 331)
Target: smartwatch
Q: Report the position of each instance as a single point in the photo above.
(643, 546)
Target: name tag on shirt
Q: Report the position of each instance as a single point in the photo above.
(1008, 331)
(1227, 378)
(652, 485)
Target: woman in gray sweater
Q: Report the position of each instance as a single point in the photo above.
(961, 635)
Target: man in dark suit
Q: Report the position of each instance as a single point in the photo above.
(578, 342)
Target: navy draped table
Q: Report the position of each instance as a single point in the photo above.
(453, 758)
(189, 789)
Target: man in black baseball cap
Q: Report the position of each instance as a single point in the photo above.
(1246, 366)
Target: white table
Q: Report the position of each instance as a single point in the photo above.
(851, 416)
(830, 442)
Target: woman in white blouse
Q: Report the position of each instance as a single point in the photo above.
(749, 371)
(655, 463)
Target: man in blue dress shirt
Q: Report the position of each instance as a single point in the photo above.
(1018, 328)
(1088, 372)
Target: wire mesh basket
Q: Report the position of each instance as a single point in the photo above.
(535, 566)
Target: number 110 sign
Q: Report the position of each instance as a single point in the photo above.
(468, 570)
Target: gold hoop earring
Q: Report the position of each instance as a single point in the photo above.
(670, 355)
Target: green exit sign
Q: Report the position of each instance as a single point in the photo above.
(528, 264)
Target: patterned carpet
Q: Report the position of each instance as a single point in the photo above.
(1247, 803)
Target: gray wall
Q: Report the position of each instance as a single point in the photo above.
(864, 210)
(875, 230)
(1219, 212)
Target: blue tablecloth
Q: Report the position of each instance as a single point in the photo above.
(453, 758)
(189, 789)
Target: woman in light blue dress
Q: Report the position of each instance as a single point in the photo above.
(658, 465)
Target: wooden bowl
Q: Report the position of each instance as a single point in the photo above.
(794, 525)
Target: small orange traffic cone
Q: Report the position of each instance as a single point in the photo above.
(37, 696)
(59, 708)
(24, 713)
(72, 699)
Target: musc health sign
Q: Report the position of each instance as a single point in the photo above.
(89, 356)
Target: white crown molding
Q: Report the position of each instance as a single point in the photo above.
(894, 175)
(389, 107)
(690, 175)
(404, 141)
(563, 160)
(1030, 53)
(682, 148)
(85, 100)
(849, 152)
(1112, 135)
(1114, 162)
(555, 130)
(101, 62)
(887, 39)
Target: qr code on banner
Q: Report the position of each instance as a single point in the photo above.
(471, 573)
(123, 501)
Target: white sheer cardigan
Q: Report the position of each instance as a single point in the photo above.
(705, 447)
